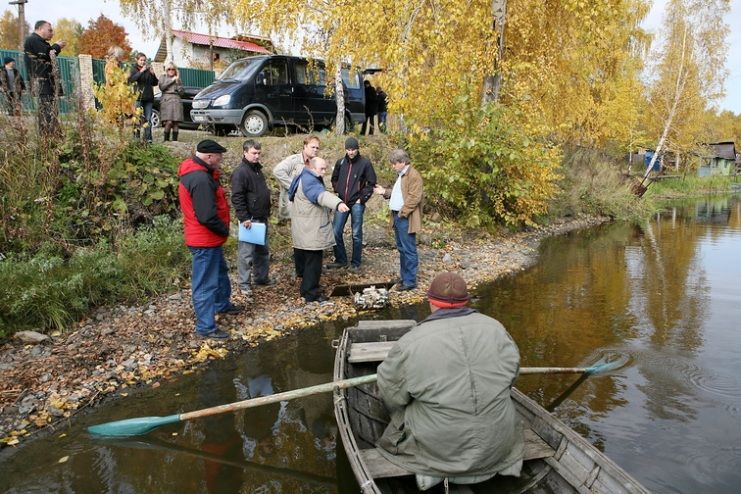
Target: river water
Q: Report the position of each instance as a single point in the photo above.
(665, 297)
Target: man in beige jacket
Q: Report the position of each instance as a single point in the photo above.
(311, 224)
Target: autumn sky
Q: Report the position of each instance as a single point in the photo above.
(86, 9)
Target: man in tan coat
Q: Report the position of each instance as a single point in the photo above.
(405, 203)
(311, 224)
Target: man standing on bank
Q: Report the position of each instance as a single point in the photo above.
(40, 58)
(206, 228)
(311, 224)
(353, 179)
(251, 201)
(447, 385)
(406, 214)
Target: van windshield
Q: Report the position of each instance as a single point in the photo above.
(240, 70)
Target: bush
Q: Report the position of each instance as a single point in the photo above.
(48, 292)
(485, 167)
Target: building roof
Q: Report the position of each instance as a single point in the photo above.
(233, 44)
(725, 150)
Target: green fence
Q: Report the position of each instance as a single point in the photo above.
(69, 73)
(196, 77)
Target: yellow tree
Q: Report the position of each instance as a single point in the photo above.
(690, 73)
(9, 33)
(70, 31)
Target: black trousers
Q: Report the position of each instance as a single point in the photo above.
(298, 261)
(312, 270)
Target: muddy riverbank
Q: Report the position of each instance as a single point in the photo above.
(45, 384)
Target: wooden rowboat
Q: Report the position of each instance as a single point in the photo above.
(557, 459)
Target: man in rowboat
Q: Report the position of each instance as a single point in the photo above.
(447, 386)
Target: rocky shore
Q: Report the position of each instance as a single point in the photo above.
(45, 381)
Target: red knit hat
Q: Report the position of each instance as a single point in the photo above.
(448, 291)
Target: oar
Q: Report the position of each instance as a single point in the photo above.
(142, 425)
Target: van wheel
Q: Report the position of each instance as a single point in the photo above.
(254, 124)
(156, 122)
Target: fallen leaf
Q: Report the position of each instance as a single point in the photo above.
(63, 459)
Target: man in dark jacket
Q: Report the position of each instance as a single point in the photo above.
(40, 58)
(447, 386)
(206, 228)
(12, 86)
(251, 201)
(143, 76)
(353, 178)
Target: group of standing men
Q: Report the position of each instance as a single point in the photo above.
(317, 216)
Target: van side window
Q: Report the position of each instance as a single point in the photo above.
(351, 79)
(313, 76)
(273, 74)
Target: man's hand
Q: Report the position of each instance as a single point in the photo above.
(62, 43)
(379, 190)
(342, 208)
(247, 224)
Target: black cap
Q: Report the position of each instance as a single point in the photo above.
(210, 146)
(351, 143)
(7, 60)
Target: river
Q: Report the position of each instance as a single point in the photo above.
(665, 296)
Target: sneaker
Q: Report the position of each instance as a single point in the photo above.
(335, 265)
(354, 269)
(404, 288)
(216, 334)
(267, 282)
(232, 309)
(247, 292)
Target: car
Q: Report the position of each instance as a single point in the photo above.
(187, 99)
(258, 93)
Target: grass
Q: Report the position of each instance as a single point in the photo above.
(692, 185)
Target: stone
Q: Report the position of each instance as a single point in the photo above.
(31, 337)
(447, 258)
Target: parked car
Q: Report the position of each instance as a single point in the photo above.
(256, 93)
(187, 99)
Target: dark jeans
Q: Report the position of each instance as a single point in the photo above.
(406, 243)
(210, 288)
(48, 115)
(340, 254)
(312, 271)
(146, 118)
(253, 255)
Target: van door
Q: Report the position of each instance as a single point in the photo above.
(272, 88)
(310, 105)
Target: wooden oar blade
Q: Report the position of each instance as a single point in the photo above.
(131, 427)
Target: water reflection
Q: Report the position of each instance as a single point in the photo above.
(664, 295)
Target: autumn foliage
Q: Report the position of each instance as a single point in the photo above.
(100, 35)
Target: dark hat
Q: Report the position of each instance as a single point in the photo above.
(351, 143)
(448, 290)
(209, 146)
(7, 60)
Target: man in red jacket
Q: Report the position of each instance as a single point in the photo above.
(206, 225)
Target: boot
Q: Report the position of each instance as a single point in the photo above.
(167, 135)
(174, 135)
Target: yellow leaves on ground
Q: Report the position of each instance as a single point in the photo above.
(205, 352)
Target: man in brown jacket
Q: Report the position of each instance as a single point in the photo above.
(405, 203)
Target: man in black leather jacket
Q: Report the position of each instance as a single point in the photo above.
(353, 178)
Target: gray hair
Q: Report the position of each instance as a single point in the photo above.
(313, 162)
(399, 156)
(251, 143)
(115, 52)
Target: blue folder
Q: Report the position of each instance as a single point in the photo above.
(254, 235)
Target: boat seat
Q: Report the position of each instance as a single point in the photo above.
(374, 351)
(379, 467)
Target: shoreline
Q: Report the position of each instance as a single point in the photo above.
(44, 385)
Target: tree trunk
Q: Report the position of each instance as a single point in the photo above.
(678, 90)
(493, 82)
(167, 29)
(339, 94)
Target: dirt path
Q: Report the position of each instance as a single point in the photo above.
(119, 347)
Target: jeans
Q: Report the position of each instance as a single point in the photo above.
(211, 289)
(249, 255)
(340, 254)
(406, 243)
(146, 118)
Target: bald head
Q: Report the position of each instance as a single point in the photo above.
(318, 166)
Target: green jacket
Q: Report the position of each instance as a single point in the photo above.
(447, 386)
